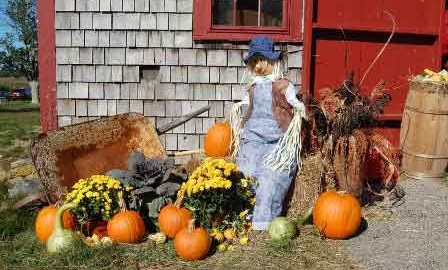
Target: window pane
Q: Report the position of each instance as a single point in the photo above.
(272, 13)
(223, 12)
(247, 12)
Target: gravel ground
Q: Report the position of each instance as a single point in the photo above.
(416, 235)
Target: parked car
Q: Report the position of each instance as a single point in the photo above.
(20, 94)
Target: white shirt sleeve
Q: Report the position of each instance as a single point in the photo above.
(290, 95)
(245, 99)
(298, 105)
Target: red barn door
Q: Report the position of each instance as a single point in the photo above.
(346, 35)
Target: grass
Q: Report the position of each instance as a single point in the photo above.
(19, 123)
(308, 251)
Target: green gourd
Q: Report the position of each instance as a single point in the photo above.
(61, 238)
(283, 229)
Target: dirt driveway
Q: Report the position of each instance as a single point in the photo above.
(416, 235)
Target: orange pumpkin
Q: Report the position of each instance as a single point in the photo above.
(337, 215)
(127, 226)
(45, 220)
(192, 243)
(173, 218)
(218, 140)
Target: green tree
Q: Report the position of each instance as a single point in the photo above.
(18, 48)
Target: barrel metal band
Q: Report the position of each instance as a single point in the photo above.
(421, 155)
(426, 111)
(422, 176)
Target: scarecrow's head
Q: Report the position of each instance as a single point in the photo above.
(261, 57)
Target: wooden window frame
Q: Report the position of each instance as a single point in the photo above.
(204, 30)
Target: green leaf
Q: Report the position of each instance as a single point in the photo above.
(155, 205)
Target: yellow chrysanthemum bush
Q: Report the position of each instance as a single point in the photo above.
(97, 197)
(220, 197)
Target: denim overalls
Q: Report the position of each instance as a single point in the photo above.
(260, 135)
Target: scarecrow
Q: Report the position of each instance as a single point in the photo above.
(267, 139)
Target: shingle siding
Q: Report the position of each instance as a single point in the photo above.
(104, 46)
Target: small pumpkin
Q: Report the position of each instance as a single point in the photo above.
(45, 220)
(218, 140)
(229, 234)
(337, 215)
(127, 226)
(173, 218)
(192, 243)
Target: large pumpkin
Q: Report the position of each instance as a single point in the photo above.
(126, 226)
(173, 218)
(45, 221)
(192, 243)
(337, 215)
(218, 140)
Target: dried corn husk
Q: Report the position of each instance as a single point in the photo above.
(382, 162)
(349, 162)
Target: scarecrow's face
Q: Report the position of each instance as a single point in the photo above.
(260, 66)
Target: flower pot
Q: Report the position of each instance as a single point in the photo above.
(88, 227)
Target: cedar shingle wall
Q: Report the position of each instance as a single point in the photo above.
(101, 45)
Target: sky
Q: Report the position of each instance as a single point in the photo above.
(3, 25)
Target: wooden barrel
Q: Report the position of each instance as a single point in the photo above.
(424, 131)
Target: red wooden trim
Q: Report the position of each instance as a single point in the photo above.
(223, 28)
(47, 64)
(376, 29)
(203, 29)
(307, 47)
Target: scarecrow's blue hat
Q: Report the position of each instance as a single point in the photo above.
(263, 46)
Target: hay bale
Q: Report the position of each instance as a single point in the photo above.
(194, 162)
(317, 175)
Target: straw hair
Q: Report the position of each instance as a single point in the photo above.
(236, 122)
(287, 150)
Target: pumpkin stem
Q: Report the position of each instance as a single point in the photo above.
(180, 198)
(59, 202)
(122, 204)
(191, 226)
(305, 217)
